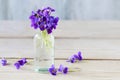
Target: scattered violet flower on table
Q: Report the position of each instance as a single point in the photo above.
(63, 69)
(53, 70)
(20, 63)
(3, 62)
(78, 56)
(71, 59)
(17, 65)
(60, 69)
(75, 58)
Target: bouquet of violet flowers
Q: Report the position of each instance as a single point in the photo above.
(45, 22)
(43, 41)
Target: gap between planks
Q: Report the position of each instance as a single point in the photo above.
(65, 59)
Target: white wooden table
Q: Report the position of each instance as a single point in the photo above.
(99, 42)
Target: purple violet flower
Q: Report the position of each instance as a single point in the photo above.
(63, 69)
(76, 57)
(60, 69)
(79, 56)
(4, 62)
(52, 70)
(43, 20)
(71, 59)
(20, 63)
(17, 65)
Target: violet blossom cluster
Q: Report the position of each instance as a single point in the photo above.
(43, 20)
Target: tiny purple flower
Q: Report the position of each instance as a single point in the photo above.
(49, 31)
(52, 70)
(63, 69)
(56, 20)
(71, 59)
(76, 57)
(22, 61)
(17, 65)
(60, 69)
(4, 62)
(79, 56)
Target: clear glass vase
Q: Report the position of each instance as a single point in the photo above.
(44, 51)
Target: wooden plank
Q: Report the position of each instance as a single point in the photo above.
(69, 29)
(15, 29)
(91, 48)
(89, 29)
(89, 70)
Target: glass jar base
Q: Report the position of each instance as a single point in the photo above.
(41, 70)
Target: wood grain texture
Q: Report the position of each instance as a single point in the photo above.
(88, 70)
(65, 29)
(90, 48)
(99, 42)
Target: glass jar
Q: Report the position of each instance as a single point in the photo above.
(44, 51)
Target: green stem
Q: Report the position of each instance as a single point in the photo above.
(46, 39)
